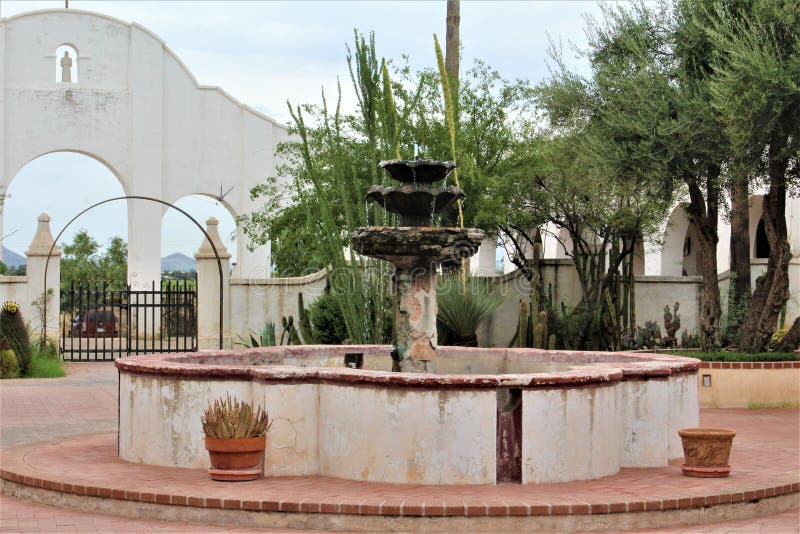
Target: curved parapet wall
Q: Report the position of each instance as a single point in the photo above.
(592, 414)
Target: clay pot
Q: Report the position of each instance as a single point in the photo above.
(706, 451)
(236, 459)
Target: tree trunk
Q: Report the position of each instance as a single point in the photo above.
(452, 51)
(740, 245)
(772, 288)
(703, 214)
(791, 341)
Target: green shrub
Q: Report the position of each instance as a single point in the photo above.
(327, 321)
(46, 362)
(9, 364)
(14, 331)
(731, 356)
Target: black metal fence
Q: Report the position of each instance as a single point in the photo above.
(100, 324)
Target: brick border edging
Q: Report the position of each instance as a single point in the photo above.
(751, 365)
(485, 509)
(386, 523)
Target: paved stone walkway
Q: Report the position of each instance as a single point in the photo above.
(84, 402)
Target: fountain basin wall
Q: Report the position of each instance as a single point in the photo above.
(590, 415)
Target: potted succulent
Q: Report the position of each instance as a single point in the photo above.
(236, 437)
(706, 451)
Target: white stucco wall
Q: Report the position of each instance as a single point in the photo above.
(407, 435)
(571, 434)
(257, 301)
(159, 417)
(137, 109)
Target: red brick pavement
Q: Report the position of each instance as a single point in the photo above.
(765, 461)
(17, 515)
(765, 455)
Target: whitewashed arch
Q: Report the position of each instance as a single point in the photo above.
(135, 107)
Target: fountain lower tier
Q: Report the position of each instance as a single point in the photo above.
(568, 415)
(415, 253)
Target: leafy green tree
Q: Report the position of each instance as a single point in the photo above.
(597, 173)
(84, 263)
(653, 67)
(756, 91)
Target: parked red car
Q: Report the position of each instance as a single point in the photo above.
(98, 322)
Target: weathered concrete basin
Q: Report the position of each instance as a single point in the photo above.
(472, 424)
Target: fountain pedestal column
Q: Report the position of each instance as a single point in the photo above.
(415, 253)
(415, 319)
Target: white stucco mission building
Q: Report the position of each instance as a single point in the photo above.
(84, 82)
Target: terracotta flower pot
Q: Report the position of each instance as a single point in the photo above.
(236, 459)
(706, 451)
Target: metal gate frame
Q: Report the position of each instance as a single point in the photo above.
(88, 319)
(43, 339)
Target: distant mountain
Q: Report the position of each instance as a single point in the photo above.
(177, 262)
(12, 259)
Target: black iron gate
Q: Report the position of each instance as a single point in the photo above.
(100, 324)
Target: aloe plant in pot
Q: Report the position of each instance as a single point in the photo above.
(236, 437)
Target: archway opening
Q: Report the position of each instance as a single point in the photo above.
(62, 184)
(761, 246)
(179, 237)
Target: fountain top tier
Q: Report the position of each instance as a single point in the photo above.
(416, 201)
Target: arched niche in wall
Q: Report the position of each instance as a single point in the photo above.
(691, 255)
(180, 238)
(66, 63)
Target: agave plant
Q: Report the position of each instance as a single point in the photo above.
(232, 418)
(266, 338)
(462, 307)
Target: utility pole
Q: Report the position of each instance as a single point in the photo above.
(452, 42)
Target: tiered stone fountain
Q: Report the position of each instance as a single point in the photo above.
(457, 415)
(415, 247)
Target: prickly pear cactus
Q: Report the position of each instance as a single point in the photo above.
(672, 323)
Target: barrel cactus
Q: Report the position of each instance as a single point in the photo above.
(15, 333)
(9, 365)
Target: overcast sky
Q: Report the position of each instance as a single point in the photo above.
(264, 53)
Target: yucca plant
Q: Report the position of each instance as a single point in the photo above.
(231, 418)
(462, 307)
